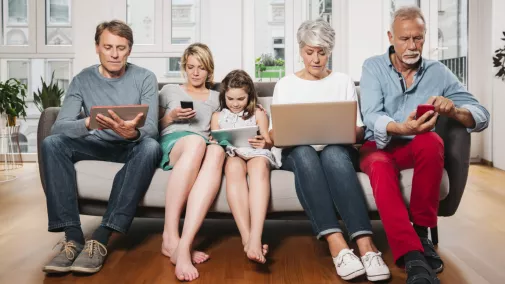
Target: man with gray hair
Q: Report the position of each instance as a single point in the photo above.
(392, 86)
(112, 82)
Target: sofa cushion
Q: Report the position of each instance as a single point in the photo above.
(94, 181)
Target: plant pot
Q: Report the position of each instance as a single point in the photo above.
(11, 120)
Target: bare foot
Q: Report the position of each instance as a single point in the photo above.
(197, 257)
(256, 252)
(184, 269)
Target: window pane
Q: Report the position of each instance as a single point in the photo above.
(28, 128)
(18, 70)
(18, 12)
(15, 23)
(174, 64)
(395, 4)
(61, 71)
(184, 21)
(140, 16)
(269, 40)
(321, 10)
(453, 36)
(58, 22)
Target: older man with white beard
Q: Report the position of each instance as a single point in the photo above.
(392, 86)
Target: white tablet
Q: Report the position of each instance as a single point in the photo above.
(238, 137)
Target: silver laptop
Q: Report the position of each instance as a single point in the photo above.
(314, 123)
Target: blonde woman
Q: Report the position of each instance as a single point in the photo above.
(196, 164)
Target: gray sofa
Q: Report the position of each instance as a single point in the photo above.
(94, 178)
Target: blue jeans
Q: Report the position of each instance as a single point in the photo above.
(59, 153)
(326, 183)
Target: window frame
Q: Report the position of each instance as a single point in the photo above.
(32, 25)
(42, 15)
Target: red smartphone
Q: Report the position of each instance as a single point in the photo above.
(422, 109)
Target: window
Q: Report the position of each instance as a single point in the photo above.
(453, 36)
(141, 18)
(19, 69)
(395, 4)
(58, 22)
(320, 9)
(174, 64)
(62, 72)
(269, 40)
(184, 24)
(15, 24)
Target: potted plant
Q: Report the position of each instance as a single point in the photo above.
(12, 100)
(499, 61)
(49, 96)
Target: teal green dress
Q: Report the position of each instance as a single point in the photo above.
(168, 141)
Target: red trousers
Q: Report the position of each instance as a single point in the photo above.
(425, 153)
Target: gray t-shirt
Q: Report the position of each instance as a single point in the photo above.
(171, 97)
(90, 88)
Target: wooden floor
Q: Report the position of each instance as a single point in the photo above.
(471, 243)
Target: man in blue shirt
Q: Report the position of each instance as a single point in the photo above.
(392, 86)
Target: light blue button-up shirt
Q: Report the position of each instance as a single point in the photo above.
(385, 98)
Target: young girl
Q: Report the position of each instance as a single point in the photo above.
(238, 109)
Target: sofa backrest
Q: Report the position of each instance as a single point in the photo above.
(265, 92)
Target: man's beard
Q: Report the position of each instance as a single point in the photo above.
(411, 61)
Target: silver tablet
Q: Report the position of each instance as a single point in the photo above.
(125, 112)
(238, 137)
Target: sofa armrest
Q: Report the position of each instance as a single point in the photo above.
(457, 161)
(46, 121)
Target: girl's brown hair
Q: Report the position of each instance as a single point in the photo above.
(239, 79)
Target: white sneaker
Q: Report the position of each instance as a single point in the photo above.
(348, 265)
(376, 269)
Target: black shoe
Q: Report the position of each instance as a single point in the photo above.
(432, 256)
(416, 277)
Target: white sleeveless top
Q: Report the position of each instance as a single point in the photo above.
(229, 120)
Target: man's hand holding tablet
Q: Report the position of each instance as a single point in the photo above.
(124, 120)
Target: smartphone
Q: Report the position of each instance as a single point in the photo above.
(422, 109)
(187, 104)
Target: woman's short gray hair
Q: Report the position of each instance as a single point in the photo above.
(316, 33)
(407, 13)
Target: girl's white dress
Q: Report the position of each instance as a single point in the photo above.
(227, 120)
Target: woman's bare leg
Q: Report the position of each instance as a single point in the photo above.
(200, 199)
(187, 156)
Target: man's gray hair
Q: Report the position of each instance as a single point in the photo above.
(407, 13)
(316, 33)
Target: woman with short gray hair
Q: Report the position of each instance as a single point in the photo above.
(326, 180)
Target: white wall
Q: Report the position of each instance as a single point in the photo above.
(498, 88)
(364, 40)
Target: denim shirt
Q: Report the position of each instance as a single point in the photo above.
(385, 98)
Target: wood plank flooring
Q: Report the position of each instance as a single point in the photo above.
(471, 243)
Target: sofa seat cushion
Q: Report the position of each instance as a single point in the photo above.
(94, 181)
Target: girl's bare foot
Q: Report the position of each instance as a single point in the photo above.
(168, 248)
(256, 252)
(184, 269)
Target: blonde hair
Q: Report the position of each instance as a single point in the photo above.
(204, 56)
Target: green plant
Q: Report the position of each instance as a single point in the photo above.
(12, 100)
(259, 64)
(49, 96)
(267, 60)
(279, 62)
(499, 61)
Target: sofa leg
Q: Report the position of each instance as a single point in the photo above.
(434, 235)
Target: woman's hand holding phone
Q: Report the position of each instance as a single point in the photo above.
(178, 113)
